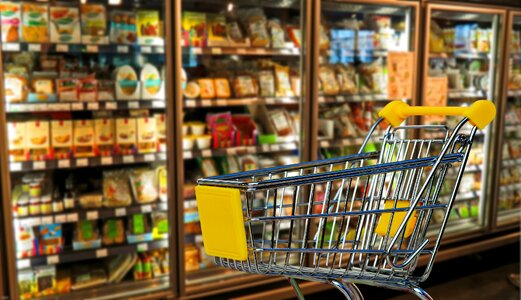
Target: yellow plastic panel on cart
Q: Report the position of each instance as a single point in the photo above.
(222, 222)
(385, 219)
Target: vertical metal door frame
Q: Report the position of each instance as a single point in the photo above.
(490, 148)
(499, 132)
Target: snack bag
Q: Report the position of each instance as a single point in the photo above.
(282, 82)
(194, 29)
(217, 30)
(65, 24)
(148, 31)
(116, 190)
(10, 19)
(144, 185)
(328, 81)
(35, 23)
(256, 23)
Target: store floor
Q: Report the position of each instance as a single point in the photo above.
(475, 277)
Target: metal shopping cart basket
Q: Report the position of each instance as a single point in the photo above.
(360, 218)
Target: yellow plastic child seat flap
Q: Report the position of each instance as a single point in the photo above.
(385, 219)
(222, 222)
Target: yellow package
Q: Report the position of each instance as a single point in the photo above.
(282, 82)
(61, 132)
(222, 88)
(35, 23)
(16, 133)
(329, 83)
(104, 133)
(385, 219)
(83, 138)
(38, 139)
(207, 88)
(146, 138)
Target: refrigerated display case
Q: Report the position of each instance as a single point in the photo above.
(508, 201)
(367, 58)
(240, 103)
(84, 176)
(461, 65)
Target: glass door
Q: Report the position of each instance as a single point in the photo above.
(359, 42)
(509, 202)
(241, 102)
(460, 67)
(84, 177)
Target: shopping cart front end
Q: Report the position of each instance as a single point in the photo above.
(365, 218)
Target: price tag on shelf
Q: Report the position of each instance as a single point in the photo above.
(122, 49)
(107, 160)
(15, 167)
(217, 50)
(30, 222)
(206, 153)
(146, 208)
(53, 259)
(275, 147)
(149, 157)
(241, 51)
(64, 163)
(321, 99)
(251, 149)
(160, 50)
(92, 215)
(221, 102)
(60, 219)
(158, 104)
(34, 47)
(102, 253)
(39, 165)
(128, 159)
(23, 263)
(46, 220)
(340, 98)
(206, 103)
(187, 154)
(133, 104)
(111, 105)
(120, 212)
(71, 218)
(92, 48)
(231, 151)
(190, 103)
(146, 49)
(260, 51)
(270, 100)
(62, 48)
(82, 162)
(142, 247)
(163, 206)
(265, 148)
(12, 47)
(77, 106)
(93, 106)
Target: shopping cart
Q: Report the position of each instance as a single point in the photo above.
(360, 218)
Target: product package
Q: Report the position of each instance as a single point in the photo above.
(207, 88)
(139, 229)
(25, 242)
(267, 83)
(67, 89)
(106, 90)
(246, 133)
(38, 140)
(83, 145)
(61, 143)
(151, 83)
(105, 137)
(328, 81)
(127, 84)
(162, 183)
(148, 28)
(91, 200)
(222, 88)
(26, 284)
(15, 88)
(10, 19)
(35, 23)
(144, 185)
(42, 90)
(245, 86)
(87, 89)
(88, 276)
(194, 29)
(281, 122)
(208, 167)
(65, 24)
(192, 90)
(217, 30)
(236, 37)
(17, 140)
(282, 82)
(45, 280)
(221, 129)
(93, 24)
(116, 189)
(257, 25)
(86, 235)
(122, 27)
(126, 136)
(50, 239)
(160, 225)
(113, 232)
(146, 135)
(161, 132)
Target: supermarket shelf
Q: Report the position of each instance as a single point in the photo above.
(511, 187)
(90, 214)
(457, 94)
(76, 256)
(241, 101)
(189, 154)
(85, 162)
(513, 128)
(242, 51)
(355, 53)
(511, 162)
(353, 98)
(461, 197)
(83, 106)
(81, 48)
(121, 290)
(514, 93)
(460, 54)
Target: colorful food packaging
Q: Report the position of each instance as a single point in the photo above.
(222, 88)
(207, 88)
(45, 280)
(277, 34)
(10, 19)
(15, 88)
(208, 167)
(246, 130)
(50, 239)
(86, 235)
(244, 86)
(256, 23)
(127, 84)
(235, 35)
(105, 90)
(144, 185)
(161, 131)
(194, 29)
(162, 180)
(192, 90)
(35, 23)
(61, 143)
(221, 129)
(93, 24)
(113, 232)
(116, 189)
(282, 82)
(281, 122)
(26, 284)
(151, 83)
(42, 90)
(295, 35)
(105, 137)
(146, 139)
(328, 80)
(65, 24)
(87, 89)
(122, 27)
(67, 89)
(17, 139)
(38, 140)
(126, 136)
(217, 30)
(148, 27)
(83, 145)
(267, 83)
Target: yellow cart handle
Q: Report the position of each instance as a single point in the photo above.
(480, 113)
